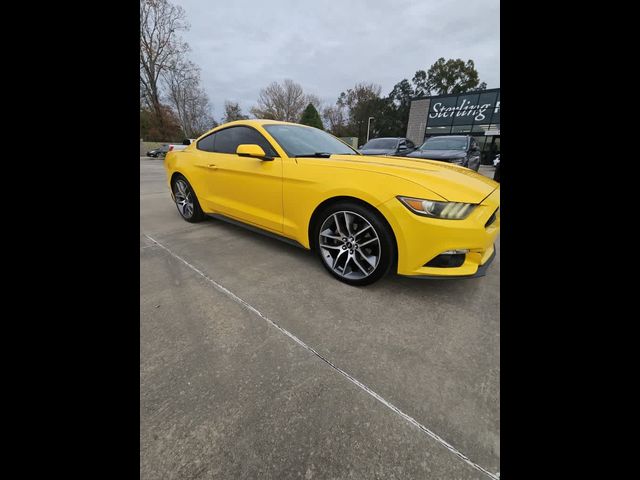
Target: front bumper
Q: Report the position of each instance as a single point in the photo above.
(480, 272)
(420, 239)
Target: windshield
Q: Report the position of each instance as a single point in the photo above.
(444, 143)
(305, 141)
(381, 143)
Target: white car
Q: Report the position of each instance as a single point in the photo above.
(174, 147)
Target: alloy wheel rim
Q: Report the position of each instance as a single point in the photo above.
(349, 244)
(184, 198)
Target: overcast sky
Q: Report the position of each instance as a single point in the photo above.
(328, 46)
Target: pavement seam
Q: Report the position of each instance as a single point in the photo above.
(349, 377)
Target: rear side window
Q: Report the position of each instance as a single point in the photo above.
(227, 140)
(207, 143)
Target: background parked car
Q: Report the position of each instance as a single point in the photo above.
(158, 152)
(181, 146)
(397, 146)
(458, 149)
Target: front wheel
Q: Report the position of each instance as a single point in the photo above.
(354, 243)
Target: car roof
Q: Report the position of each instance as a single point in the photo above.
(259, 121)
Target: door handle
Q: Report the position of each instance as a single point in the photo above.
(212, 166)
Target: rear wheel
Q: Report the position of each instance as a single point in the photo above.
(354, 243)
(186, 200)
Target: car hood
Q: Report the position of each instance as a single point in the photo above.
(378, 151)
(437, 154)
(451, 182)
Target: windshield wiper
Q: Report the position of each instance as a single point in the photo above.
(315, 155)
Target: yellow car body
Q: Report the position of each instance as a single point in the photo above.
(281, 196)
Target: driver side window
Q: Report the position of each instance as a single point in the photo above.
(227, 140)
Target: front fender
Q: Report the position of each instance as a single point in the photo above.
(303, 196)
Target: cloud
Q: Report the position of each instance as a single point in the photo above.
(328, 46)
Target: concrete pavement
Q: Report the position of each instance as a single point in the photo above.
(225, 394)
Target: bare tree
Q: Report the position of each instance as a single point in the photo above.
(284, 102)
(187, 97)
(160, 46)
(232, 112)
(335, 118)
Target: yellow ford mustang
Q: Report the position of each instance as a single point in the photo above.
(363, 215)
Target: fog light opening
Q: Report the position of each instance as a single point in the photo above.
(448, 259)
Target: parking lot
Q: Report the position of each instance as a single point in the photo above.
(256, 363)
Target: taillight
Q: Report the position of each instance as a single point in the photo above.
(170, 147)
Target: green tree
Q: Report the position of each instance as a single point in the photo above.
(311, 117)
(361, 102)
(232, 112)
(448, 76)
(399, 100)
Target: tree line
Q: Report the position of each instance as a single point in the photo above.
(349, 116)
(174, 105)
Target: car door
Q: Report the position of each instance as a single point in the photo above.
(243, 188)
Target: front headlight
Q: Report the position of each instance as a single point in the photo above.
(430, 208)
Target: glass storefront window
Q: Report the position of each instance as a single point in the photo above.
(495, 118)
(496, 142)
(438, 130)
(486, 102)
(461, 129)
(481, 140)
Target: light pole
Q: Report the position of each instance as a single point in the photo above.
(369, 124)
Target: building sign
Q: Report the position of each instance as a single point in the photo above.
(466, 112)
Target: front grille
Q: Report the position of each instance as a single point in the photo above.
(492, 218)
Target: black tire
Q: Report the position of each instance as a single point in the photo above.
(193, 214)
(385, 245)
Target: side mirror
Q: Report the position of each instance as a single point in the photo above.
(252, 150)
(186, 141)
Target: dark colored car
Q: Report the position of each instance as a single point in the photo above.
(461, 150)
(397, 146)
(159, 152)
